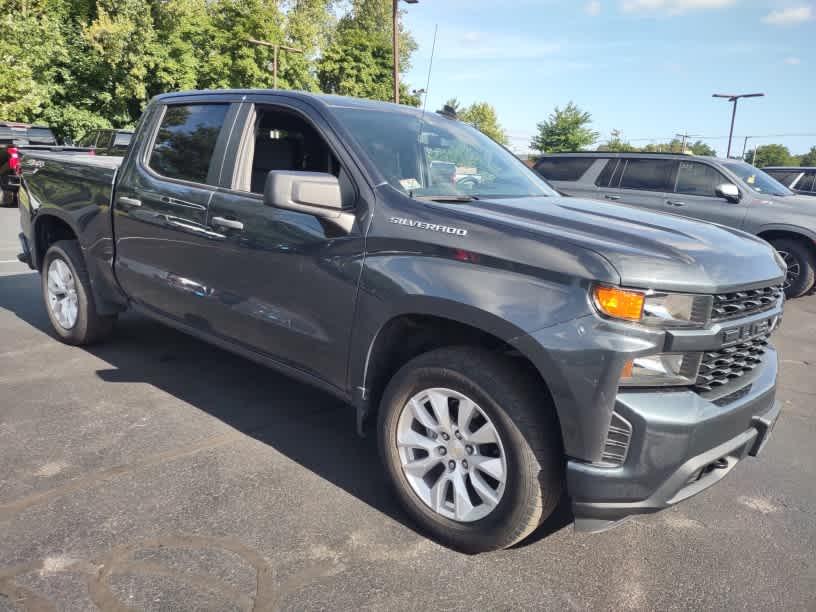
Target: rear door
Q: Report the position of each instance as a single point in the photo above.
(160, 207)
(695, 195)
(643, 182)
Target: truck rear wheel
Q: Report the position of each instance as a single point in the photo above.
(801, 266)
(68, 298)
(472, 448)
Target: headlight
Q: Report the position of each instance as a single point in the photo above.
(650, 308)
(661, 370)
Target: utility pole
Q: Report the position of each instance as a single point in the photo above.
(745, 147)
(276, 49)
(395, 43)
(733, 98)
(685, 137)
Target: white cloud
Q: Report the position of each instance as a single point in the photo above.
(593, 8)
(793, 61)
(789, 16)
(672, 7)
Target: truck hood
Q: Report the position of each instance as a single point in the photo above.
(647, 249)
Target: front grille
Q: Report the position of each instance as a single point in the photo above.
(727, 365)
(742, 303)
(617, 441)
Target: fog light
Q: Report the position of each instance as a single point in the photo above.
(661, 370)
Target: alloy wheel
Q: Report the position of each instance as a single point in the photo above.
(794, 268)
(62, 294)
(451, 454)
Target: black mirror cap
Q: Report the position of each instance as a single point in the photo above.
(729, 191)
(297, 190)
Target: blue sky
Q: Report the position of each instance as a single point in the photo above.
(646, 67)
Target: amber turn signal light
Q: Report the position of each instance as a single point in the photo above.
(619, 303)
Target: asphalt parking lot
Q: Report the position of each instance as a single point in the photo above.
(157, 472)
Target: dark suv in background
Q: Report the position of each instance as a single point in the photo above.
(729, 192)
(798, 180)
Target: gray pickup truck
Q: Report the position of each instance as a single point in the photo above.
(726, 191)
(507, 345)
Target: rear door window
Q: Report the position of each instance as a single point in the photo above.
(564, 168)
(694, 178)
(806, 182)
(786, 177)
(604, 177)
(186, 140)
(649, 174)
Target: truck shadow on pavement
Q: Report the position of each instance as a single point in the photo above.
(305, 424)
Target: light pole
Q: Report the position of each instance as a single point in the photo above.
(395, 43)
(734, 98)
(276, 48)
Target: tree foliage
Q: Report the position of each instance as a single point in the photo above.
(483, 117)
(771, 155)
(566, 129)
(616, 143)
(809, 158)
(83, 64)
(358, 62)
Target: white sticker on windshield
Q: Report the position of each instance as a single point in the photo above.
(410, 184)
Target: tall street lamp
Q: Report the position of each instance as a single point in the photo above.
(395, 26)
(734, 98)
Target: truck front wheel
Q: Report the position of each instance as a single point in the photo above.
(68, 298)
(472, 447)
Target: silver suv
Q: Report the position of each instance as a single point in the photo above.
(724, 191)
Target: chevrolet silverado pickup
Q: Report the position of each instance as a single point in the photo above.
(505, 345)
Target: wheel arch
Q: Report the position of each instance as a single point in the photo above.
(408, 334)
(48, 228)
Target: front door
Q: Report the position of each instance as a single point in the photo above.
(286, 280)
(695, 195)
(160, 209)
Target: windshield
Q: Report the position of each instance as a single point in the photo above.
(441, 158)
(757, 179)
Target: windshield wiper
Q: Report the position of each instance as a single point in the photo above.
(447, 198)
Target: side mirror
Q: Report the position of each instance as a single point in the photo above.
(729, 191)
(313, 193)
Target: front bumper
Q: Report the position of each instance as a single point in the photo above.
(682, 443)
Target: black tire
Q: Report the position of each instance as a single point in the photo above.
(528, 428)
(90, 327)
(801, 266)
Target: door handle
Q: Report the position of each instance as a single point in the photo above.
(675, 203)
(230, 223)
(612, 197)
(132, 202)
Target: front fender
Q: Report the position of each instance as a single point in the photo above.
(503, 303)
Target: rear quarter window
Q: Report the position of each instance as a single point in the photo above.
(806, 182)
(564, 168)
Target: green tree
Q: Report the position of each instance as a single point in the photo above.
(358, 62)
(616, 143)
(564, 130)
(482, 116)
(701, 148)
(771, 155)
(809, 158)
